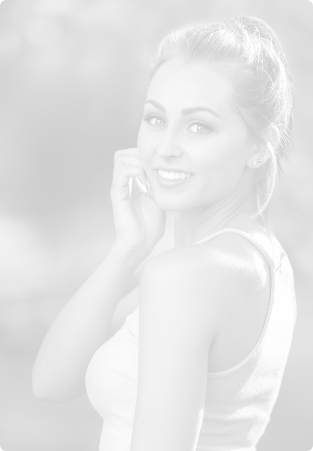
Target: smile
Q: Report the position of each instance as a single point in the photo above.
(170, 179)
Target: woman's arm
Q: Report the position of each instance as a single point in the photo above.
(183, 303)
(176, 327)
(81, 327)
(84, 324)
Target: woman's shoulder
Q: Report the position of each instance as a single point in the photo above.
(227, 252)
(226, 267)
(220, 280)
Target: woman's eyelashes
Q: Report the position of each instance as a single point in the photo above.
(200, 128)
(155, 121)
(197, 127)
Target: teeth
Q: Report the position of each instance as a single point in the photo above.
(173, 175)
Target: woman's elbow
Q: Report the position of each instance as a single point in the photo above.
(44, 390)
(49, 390)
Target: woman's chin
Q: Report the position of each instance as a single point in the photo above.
(168, 203)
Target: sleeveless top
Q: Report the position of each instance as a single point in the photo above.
(238, 401)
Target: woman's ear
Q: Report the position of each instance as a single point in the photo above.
(272, 136)
(262, 152)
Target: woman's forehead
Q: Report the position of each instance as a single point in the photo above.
(190, 84)
(177, 70)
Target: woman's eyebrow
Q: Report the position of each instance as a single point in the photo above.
(199, 108)
(184, 110)
(157, 105)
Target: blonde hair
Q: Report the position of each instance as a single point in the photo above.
(248, 52)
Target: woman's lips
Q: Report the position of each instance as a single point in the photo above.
(171, 183)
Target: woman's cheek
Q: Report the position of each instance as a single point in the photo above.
(144, 141)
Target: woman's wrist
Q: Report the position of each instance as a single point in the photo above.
(127, 256)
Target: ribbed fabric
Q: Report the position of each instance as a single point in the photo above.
(238, 402)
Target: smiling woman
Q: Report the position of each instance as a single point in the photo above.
(193, 123)
(248, 55)
(198, 364)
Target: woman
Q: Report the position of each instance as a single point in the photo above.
(199, 363)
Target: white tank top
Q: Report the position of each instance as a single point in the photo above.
(238, 401)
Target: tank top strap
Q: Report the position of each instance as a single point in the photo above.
(266, 247)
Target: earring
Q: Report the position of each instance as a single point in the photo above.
(259, 161)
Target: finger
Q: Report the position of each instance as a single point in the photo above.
(120, 186)
(128, 151)
(124, 160)
(132, 152)
(142, 177)
(142, 187)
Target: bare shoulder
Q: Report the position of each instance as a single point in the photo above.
(237, 253)
(240, 262)
(228, 255)
(203, 283)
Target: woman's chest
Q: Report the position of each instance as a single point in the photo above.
(112, 376)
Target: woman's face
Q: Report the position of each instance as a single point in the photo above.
(191, 127)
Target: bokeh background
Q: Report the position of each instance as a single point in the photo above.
(73, 75)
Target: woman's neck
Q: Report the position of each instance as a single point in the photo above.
(191, 226)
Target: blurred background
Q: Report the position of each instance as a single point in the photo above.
(73, 75)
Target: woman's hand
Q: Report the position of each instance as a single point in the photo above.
(139, 222)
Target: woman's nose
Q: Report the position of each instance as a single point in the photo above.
(169, 145)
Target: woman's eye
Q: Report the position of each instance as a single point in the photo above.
(199, 128)
(156, 121)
